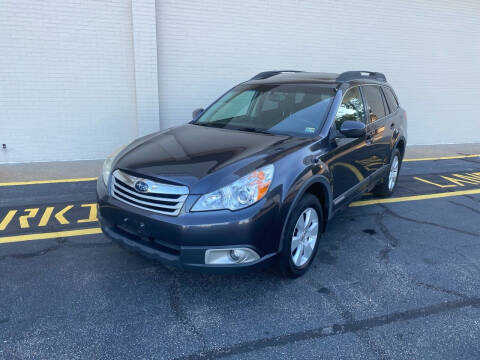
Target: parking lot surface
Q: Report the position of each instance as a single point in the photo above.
(394, 278)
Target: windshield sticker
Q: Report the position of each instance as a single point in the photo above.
(310, 130)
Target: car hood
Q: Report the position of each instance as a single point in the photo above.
(203, 158)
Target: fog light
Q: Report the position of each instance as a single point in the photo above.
(238, 255)
(230, 256)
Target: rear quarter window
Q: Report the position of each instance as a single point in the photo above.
(391, 98)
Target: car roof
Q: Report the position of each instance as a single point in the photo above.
(294, 76)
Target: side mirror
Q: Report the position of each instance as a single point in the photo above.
(196, 113)
(352, 129)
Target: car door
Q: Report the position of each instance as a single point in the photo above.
(348, 155)
(377, 134)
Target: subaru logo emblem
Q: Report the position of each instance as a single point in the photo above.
(141, 186)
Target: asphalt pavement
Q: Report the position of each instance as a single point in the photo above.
(393, 279)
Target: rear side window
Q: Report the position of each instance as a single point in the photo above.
(391, 99)
(375, 102)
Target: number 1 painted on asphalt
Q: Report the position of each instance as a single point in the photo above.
(92, 217)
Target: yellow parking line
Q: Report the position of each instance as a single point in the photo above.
(443, 158)
(34, 182)
(50, 235)
(97, 230)
(415, 197)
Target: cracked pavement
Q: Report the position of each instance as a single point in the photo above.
(390, 281)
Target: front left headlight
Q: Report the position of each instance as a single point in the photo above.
(107, 164)
(239, 194)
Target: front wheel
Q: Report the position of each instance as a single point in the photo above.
(387, 184)
(301, 237)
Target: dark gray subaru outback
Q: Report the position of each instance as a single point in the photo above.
(255, 177)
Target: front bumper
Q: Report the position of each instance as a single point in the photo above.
(182, 240)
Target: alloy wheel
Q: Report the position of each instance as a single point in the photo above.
(304, 237)
(392, 177)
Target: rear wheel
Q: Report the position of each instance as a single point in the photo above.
(386, 185)
(301, 237)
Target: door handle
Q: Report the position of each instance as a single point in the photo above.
(369, 139)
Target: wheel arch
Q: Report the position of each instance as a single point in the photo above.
(401, 146)
(319, 186)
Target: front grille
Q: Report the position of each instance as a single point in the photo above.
(158, 197)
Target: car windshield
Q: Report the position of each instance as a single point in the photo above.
(291, 109)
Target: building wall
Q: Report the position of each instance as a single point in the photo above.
(68, 80)
(79, 78)
(428, 49)
(145, 63)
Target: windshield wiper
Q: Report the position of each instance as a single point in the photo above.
(253, 129)
(209, 124)
(224, 126)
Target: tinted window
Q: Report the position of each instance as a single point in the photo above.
(391, 100)
(375, 102)
(351, 108)
(292, 109)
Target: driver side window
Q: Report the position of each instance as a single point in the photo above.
(351, 108)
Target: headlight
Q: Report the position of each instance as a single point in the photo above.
(107, 165)
(240, 194)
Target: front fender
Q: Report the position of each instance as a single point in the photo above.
(299, 187)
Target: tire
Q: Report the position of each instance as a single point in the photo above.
(385, 187)
(295, 262)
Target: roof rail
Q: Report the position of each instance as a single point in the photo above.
(267, 74)
(352, 75)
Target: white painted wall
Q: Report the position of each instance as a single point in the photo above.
(80, 77)
(145, 63)
(67, 78)
(428, 49)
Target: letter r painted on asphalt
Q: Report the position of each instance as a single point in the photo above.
(24, 219)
